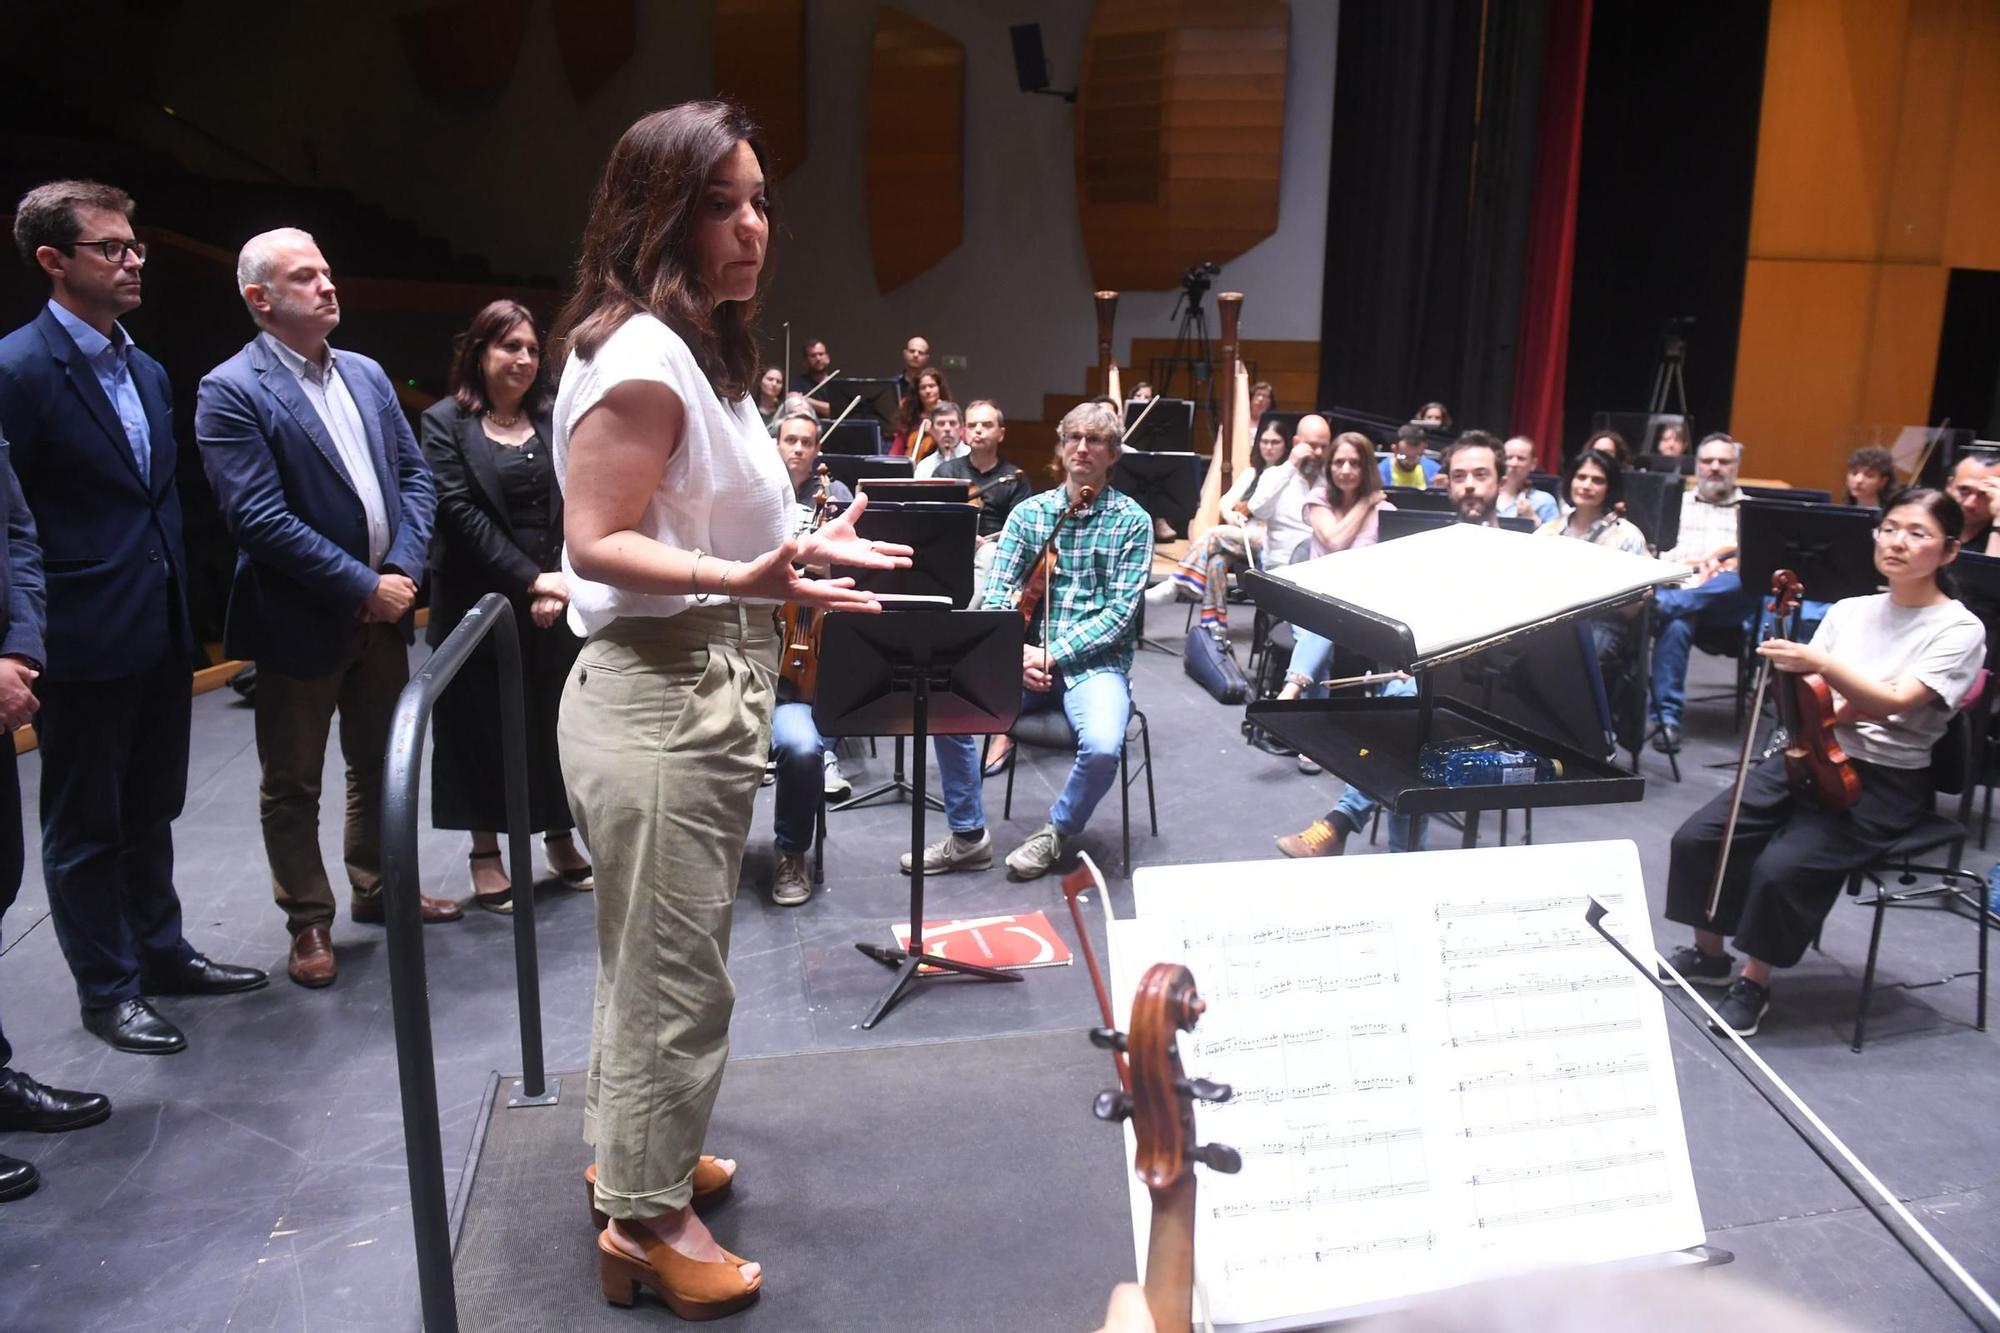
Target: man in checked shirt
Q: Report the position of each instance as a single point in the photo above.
(1085, 664)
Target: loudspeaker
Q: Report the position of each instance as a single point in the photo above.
(1031, 64)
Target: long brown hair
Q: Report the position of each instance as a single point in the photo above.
(635, 254)
(911, 410)
(1371, 471)
(468, 357)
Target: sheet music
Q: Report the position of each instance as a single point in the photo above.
(1544, 578)
(1441, 1071)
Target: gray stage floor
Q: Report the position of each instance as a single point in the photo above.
(257, 1180)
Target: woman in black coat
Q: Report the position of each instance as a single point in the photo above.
(499, 529)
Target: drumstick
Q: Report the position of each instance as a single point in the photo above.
(1150, 403)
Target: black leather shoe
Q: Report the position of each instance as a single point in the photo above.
(41, 1109)
(1270, 744)
(134, 1025)
(17, 1179)
(1667, 740)
(205, 976)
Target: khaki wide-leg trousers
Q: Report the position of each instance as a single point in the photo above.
(664, 727)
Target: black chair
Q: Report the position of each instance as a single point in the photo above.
(1049, 729)
(1952, 774)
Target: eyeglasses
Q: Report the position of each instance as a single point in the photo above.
(1077, 437)
(1914, 536)
(114, 250)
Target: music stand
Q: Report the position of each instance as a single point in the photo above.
(851, 468)
(1393, 523)
(1830, 547)
(922, 490)
(1653, 503)
(1680, 465)
(1168, 428)
(855, 435)
(1286, 422)
(1166, 485)
(919, 673)
(941, 538)
(1410, 498)
(1798, 495)
(878, 397)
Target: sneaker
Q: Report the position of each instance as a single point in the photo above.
(1309, 766)
(1318, 839)
(770, 773)
(1270, 744)
(1038, 855)
(794, 882)
(1163, 594)
(1667, 740)
(1744, 1007)
(1699, 968)
(953, 852)
(836, 787)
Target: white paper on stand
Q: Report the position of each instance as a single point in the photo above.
(1441, 1072)
(1517, 579)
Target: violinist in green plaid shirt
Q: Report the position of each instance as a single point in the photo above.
(1102, 557)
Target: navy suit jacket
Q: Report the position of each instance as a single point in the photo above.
(302, 571)
(111, 543)
(23, 608)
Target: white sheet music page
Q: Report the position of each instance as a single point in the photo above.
(1441, 1072)
(1543, 578)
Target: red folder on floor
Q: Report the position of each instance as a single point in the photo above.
(1013, 942)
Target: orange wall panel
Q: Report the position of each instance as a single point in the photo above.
(1903, 344)
(1801, 362)
(1972, 223)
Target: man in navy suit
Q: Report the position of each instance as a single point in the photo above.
(90, 418)
(330, 502)
(25, 1104)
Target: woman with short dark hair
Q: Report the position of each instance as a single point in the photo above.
(678, 528)
(499, 529)
(1871, 476)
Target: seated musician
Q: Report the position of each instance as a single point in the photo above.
(997, 485)
(1899, 664)
(1090, 608)
(1263, 522)
(1594, 490)
(1407, 463)
(1472, 473)
(1713, 596)
(1519, 497)
(805, 765)
(946, 438)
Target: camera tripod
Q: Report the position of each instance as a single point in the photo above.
(1668, 381)
(1192, 349)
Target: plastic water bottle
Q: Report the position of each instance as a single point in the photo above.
(1489, 768)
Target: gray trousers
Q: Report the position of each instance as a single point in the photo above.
(663, 731)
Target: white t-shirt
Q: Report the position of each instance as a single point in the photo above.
(725, 491)
(1280, 501)
(1943, 646)
(928, 464)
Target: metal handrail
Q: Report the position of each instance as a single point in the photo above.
(409, 994)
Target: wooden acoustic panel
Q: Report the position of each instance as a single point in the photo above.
(914, 166)
(1179, 135)
(759, 50)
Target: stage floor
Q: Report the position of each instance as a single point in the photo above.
(257, 1180)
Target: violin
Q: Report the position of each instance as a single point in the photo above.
(1035, 587)
(799, 626)
(1160, 1105)
(1815, 765)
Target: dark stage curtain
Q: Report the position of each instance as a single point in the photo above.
(1435, 128)
(1542, 351)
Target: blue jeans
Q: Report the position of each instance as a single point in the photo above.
(1407, 833)
(796, 745)
(1311, 655)
(1679, 613)
(1098, 709)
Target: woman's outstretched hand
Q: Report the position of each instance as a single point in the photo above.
(836, 543)
(773, 577)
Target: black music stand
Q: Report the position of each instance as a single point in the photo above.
(921, 490)
(1166, 485)
(941, 539)
(851, 468)
(1653, 503)
(1426, 499)
(916, 673)
(879, 397)
(1168, 427)
(1830, 547)
(1393, 523)
(853, 436)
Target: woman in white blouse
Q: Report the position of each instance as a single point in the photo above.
(678, 519)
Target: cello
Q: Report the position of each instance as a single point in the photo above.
(1815, 765)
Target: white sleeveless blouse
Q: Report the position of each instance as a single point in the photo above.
(725, 491)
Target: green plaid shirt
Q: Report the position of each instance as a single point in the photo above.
(1102, 557)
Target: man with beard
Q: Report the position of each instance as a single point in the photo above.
(1279, 500)
(1472, 472)
(1713, 595)
(817, 362)
(330, 502)
(90, 417)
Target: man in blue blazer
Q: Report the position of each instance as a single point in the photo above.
(330, 501)
(25, 1104)
(91, 421)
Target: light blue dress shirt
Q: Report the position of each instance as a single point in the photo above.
(110, 360)
(328, 392)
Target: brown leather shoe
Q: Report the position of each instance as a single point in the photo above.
(367, 909)
(311, 963)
